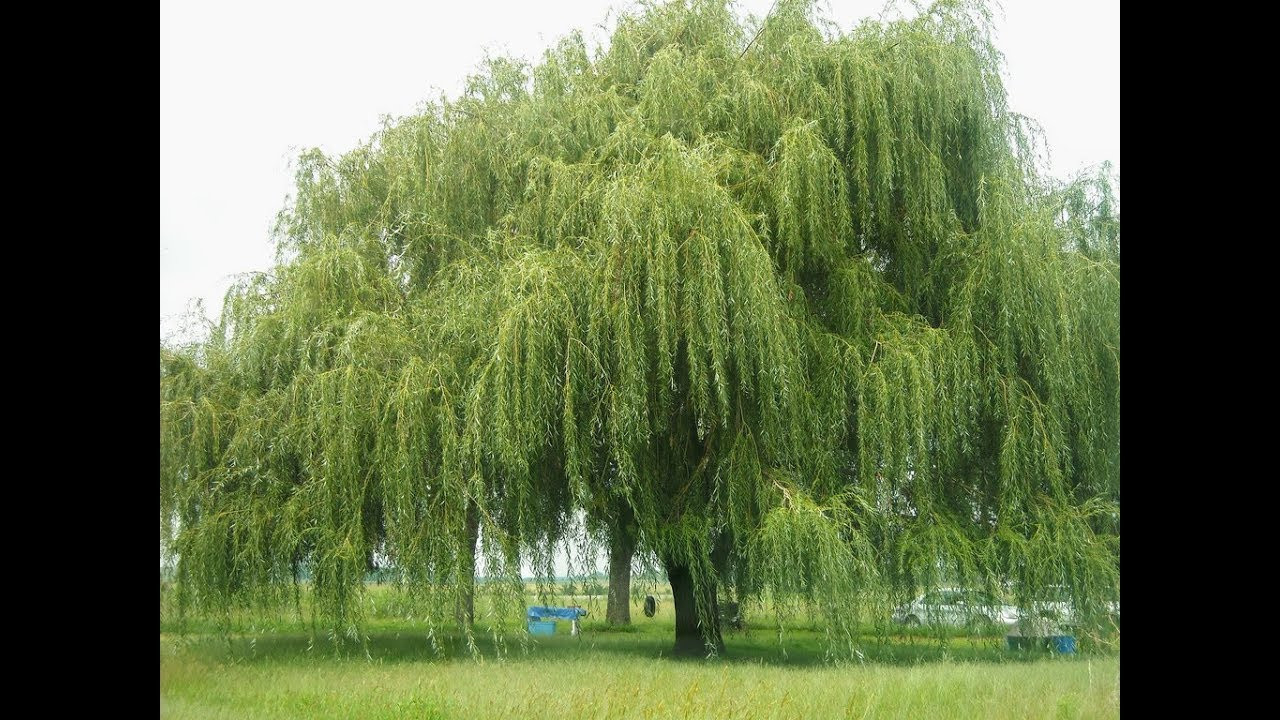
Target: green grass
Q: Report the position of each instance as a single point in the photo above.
(601, 682)
(271, 666)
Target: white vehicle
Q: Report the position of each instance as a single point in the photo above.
(956, 606)
(1055, 605)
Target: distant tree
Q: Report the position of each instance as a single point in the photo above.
(789, 310)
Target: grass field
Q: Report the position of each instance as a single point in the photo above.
(273, 668)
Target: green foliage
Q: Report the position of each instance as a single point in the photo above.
(794, 299)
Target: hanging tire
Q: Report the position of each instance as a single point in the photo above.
(650, 606)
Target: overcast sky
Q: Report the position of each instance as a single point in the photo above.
(245, 85)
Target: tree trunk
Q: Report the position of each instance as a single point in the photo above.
(622, 547)
(689, 636)
(466, 607)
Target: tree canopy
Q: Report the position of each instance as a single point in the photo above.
(795, 303)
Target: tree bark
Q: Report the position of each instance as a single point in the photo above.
(618, 611)
(466, 607)
(622, 547)
(690, 640)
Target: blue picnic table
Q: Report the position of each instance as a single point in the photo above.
(541, 612)
(542, 618)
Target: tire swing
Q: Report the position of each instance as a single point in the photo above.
(650, 606)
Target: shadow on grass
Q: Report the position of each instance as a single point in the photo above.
(755, 646)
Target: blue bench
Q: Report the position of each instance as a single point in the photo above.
(1063, 644)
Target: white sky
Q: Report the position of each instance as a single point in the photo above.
(245, 85)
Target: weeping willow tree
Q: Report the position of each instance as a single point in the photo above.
(787, 309)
